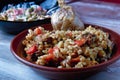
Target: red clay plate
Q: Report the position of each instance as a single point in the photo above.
(65, 74)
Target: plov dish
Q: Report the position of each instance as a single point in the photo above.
(67, 49)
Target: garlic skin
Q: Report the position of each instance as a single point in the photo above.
(79, 25)
(65, 18)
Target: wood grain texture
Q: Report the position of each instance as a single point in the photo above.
(98, 13)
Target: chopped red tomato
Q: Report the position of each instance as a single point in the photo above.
(49, 57)
(80, 42)
(69, 34)
(50, 51)
(38, 31)
(32, 50)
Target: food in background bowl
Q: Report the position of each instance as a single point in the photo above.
(68, 49)
(32, 13)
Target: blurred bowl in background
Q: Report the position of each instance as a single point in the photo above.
(15, 27)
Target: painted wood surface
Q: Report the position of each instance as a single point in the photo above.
(98, 13)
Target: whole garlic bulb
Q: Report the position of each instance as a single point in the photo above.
(65, 18)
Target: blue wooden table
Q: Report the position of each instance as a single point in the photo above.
(99, 13)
